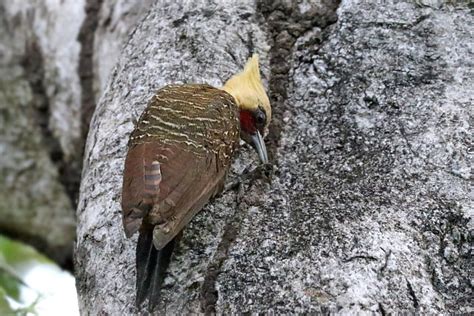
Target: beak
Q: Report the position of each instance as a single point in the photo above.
(259, 145)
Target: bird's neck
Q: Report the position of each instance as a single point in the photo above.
(232, 91)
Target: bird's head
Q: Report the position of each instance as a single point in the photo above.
(255, 110)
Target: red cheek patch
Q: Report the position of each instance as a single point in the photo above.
(247, 122)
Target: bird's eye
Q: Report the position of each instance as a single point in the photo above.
(260, 118)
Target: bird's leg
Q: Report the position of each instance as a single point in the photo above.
(263, 171)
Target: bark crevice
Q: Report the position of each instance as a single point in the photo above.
(285, 24)
(351, 210)
(86, 63)
(209, 293)
(68, 171)
(273, 17)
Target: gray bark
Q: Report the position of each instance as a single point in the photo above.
(54, 67)
(370, 205)
(39, 107)
(170, 50)
(114, 21)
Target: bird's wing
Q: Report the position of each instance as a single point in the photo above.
(162, 182)
(166, 181)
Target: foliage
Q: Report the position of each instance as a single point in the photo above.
(15, 260)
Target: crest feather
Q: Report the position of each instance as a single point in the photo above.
(252, 70)
(247, 89)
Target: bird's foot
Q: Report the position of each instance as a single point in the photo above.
(263, 172)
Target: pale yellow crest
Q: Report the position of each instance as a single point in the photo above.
(247, 89)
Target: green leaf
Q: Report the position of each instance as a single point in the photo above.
(10, 284)
(15, 252)
(20, 263)
(5, 308)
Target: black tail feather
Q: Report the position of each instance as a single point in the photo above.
(146, 258)
(151, 267)
(164, 258)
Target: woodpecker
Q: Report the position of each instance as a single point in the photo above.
(178, 156)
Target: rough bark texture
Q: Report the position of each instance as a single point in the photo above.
(102, 36)
(370, 206)
(187, 42)
(53, 67)
(39, 107)
(114, 22)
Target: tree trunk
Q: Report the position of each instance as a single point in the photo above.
(40, 132)
(369, 206)
(55, 58)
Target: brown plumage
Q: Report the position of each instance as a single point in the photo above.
(179, 154)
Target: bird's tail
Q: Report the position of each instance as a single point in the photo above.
(151, 267)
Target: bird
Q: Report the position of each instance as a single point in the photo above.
(179, 154)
